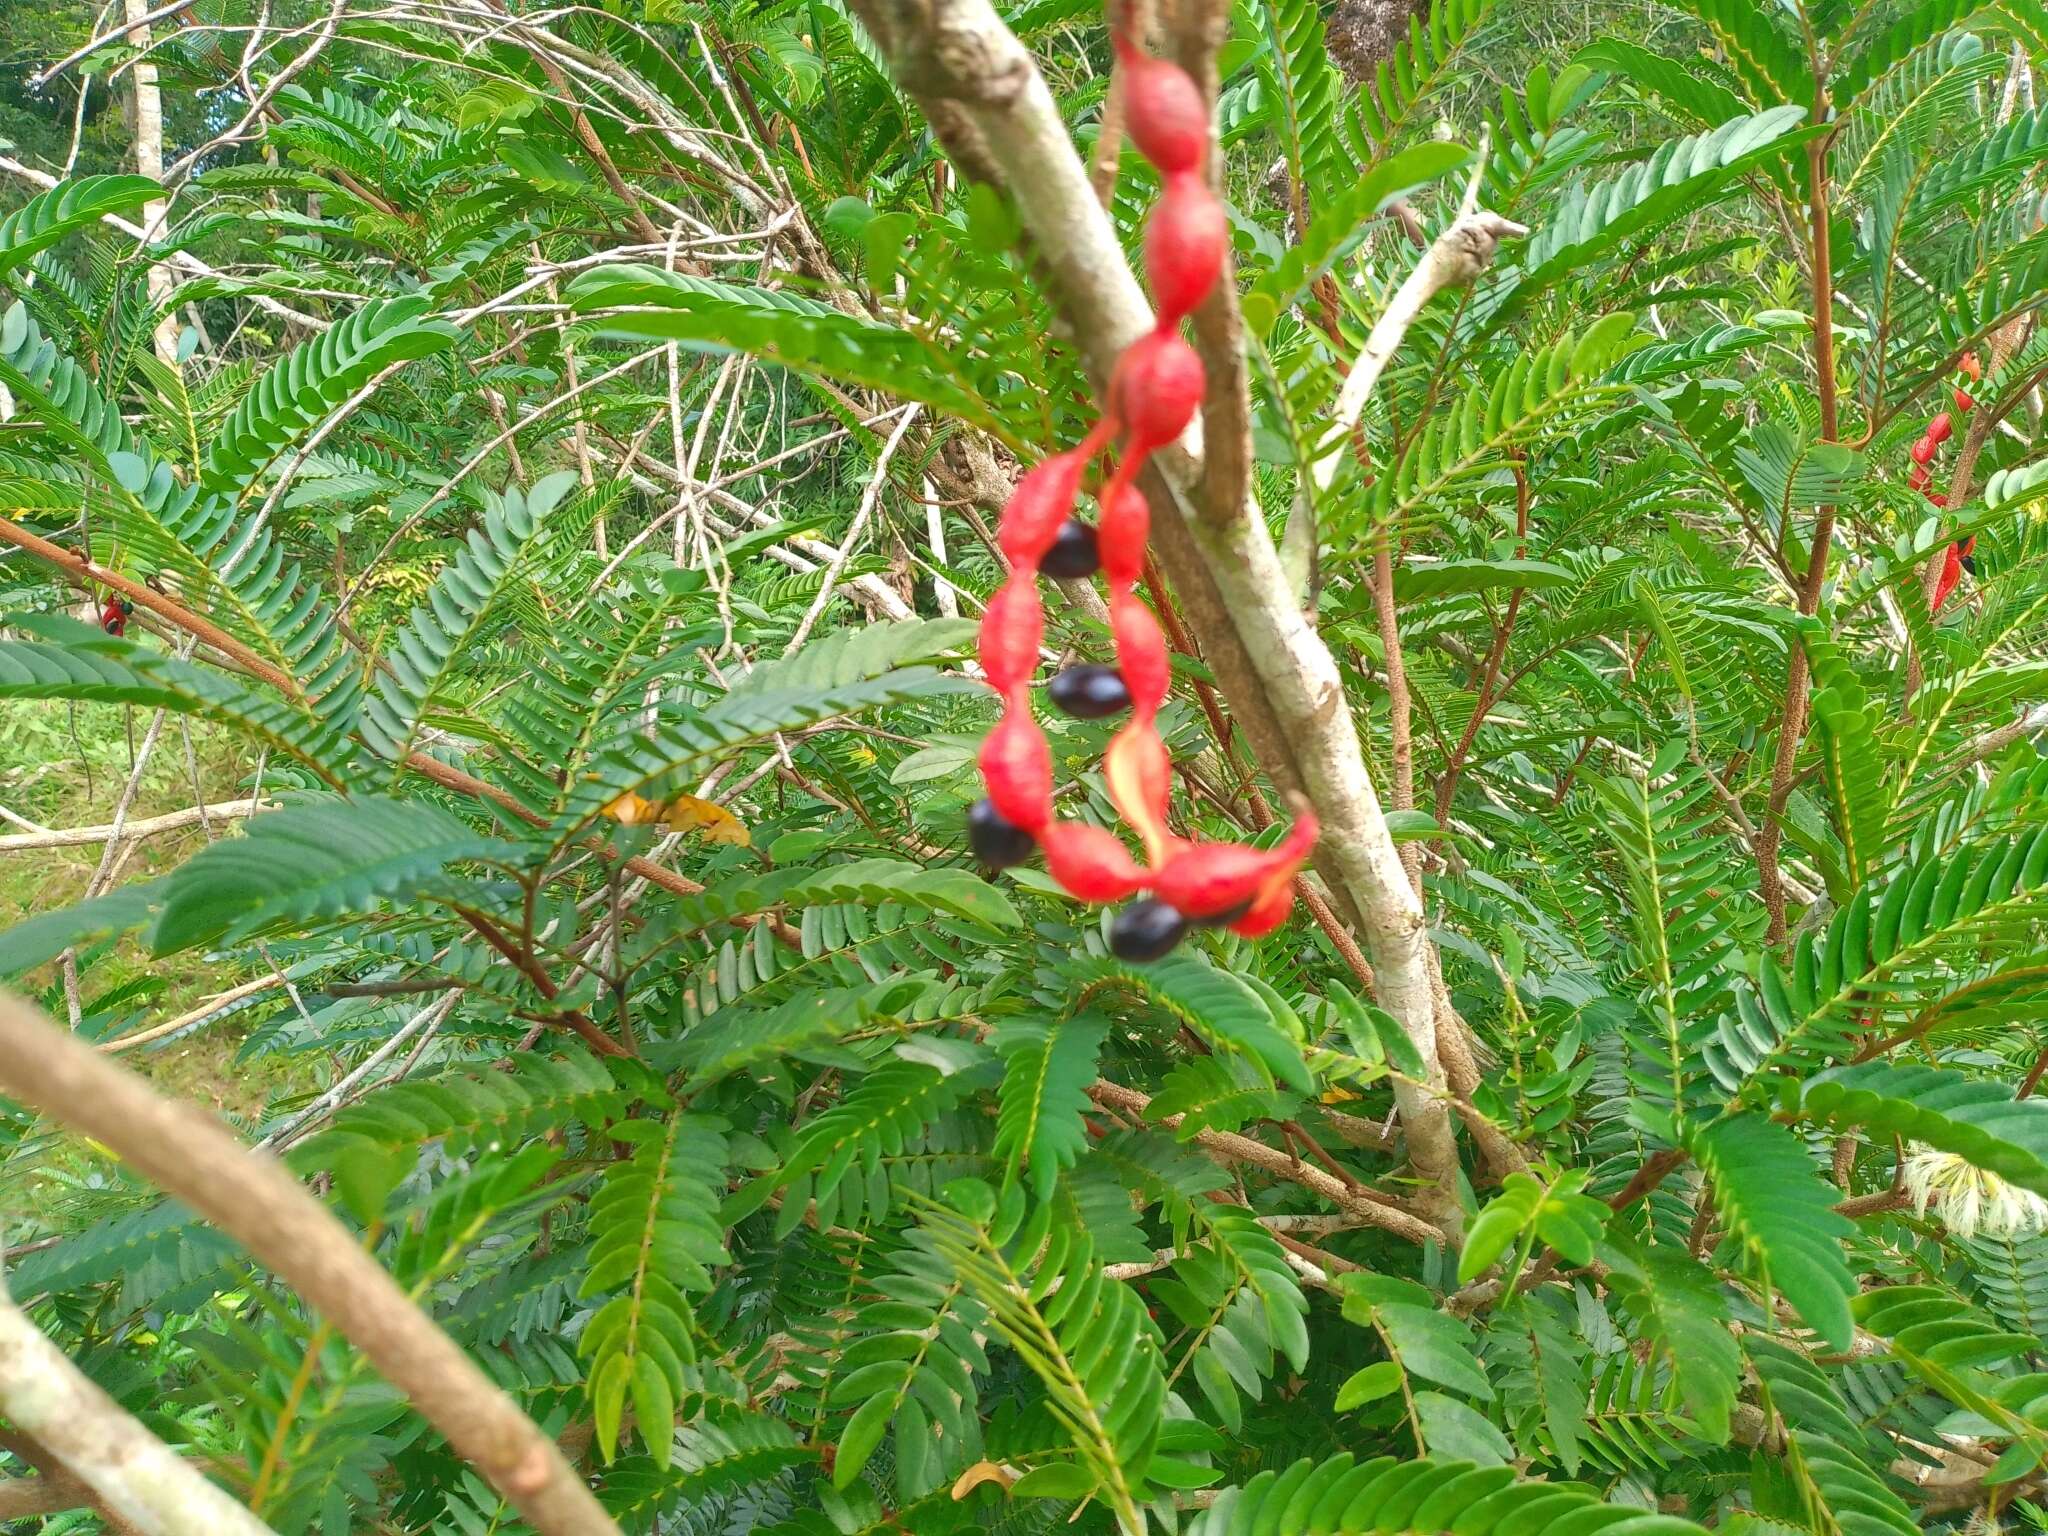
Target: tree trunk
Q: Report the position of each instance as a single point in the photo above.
(149, 161)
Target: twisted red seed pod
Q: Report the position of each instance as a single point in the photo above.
(1163, 109)
(1203, 880)
(1140, 652)
(1154, 390)
(1089, 862)
(1016, 768)
(1041, 501)
(1140, 778)
(1120, 535)
(1939, 429)
(1184, 246)
(1010, 632)
(1924, 450)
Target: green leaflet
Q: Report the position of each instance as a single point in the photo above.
(1780, 1214)
(1976, 1118)
(48, 217)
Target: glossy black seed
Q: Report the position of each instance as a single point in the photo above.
(1089, 692)
(1969, 564)
(1073, 554)
(1224, 918)
(995, 841)
(1145, 930)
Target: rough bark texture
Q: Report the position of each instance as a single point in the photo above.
(1362, 34)
(149, 161)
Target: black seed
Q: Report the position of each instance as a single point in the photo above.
(1224, 918)
(1145, 930)
(1073, 553)
(1089, 692)
(1969, 564)
(995, 841)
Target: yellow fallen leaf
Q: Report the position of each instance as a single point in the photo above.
(1339, 1095)
(686, 813)
(984, 1472)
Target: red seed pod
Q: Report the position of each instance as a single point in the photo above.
(1139, 774)
(1016, 767)
(1937, 498)
(1153, 393)
(1184, 246)
(1971, 366)
(1951, 574)
(1039, 504)
(1088, 862)
(1140, 652)
(1939, 429)
(1267, 912)
(1204, 879)
(1917, 477)
(1965, 402)
(1010, 632)
(1120, 536)
(1924, 451)
(1163, 109)
(1967, 547)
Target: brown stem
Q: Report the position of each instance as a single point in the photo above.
(1401, 795)
(1447, 785)
(1792, 722)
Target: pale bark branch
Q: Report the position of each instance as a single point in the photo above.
(252, 1197)
(146, 826)
(119, 1463)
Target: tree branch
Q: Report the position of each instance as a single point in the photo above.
(254, 1199)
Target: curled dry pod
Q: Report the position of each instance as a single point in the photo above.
(1153, 393)
(1011, 629)
(1184, 246)
(1073, 554)
(1016, 767)
(1146, 931)
(1924, 450)
(995, 841)
(1039, 505)
(1089, 692)
(1206, 880)
(1088, 862)
(1940, 428)
(1121, 535)
(1140, 778)
(1163, 109)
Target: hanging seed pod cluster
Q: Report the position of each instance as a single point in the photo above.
(1958, 556)
(1154, 390)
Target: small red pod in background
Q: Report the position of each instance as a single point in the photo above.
(1970, 365)
(1940, 428)
(1154, 391)
(1951, 574)
(1937, 498)
(1163, 109)
(1917, 477)
(1965, 402)
(1041, 502)
(1120, 534)
(1011, 630)
(114, 617)
(1088, 862)
(1923, 451)
(1140, 651)
(1208, 879)
(1016, 768)
(1184, 246)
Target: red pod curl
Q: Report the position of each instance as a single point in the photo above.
(1016, 768)
(1940, 428)
(1121, 533)
(1917, 477)
(1965, 402)
(1088, 862)
(1267, 912)
(1040, 503)
(1184, 246)
(1937, 498)
(1163, 109)
(1011, 630)
(1140, 651)
(1154, 390)
(1203, 880)
(1923, 451)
